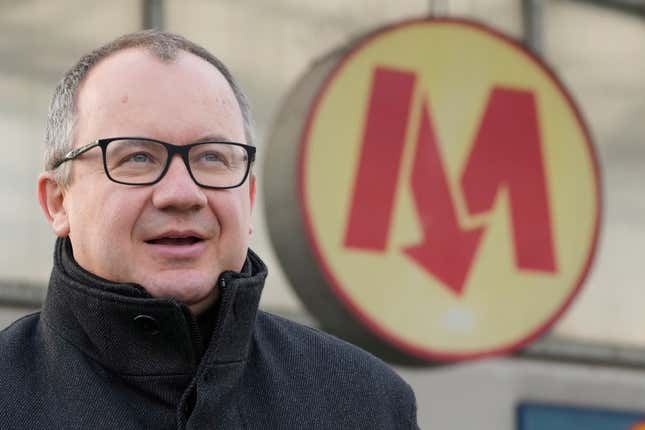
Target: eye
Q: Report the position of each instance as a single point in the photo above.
(212, 157)
(138, 157)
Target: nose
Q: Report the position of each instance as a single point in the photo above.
(177, 190)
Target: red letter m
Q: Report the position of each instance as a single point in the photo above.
(506, 155)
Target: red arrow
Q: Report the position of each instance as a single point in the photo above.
(446, 250)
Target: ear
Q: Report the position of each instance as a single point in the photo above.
(252, 189)
(51, 195)
(252, 197)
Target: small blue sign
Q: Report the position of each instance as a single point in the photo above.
(539, 416)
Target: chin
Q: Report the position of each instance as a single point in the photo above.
(183, 287)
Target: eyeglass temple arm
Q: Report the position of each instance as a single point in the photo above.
(76, 152)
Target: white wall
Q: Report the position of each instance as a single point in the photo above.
(484, 395)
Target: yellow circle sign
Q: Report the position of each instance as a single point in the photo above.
(449, 189)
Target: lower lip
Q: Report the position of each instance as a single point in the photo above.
(178, 251)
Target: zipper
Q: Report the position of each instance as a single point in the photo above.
(186, 404)
(222, 284)
(195, 333)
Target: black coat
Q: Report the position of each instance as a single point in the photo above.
(103, 355)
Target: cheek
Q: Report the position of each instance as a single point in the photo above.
(122, 211)
(83, 213)
(107, 215)
(232, 213)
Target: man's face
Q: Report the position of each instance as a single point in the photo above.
(128, 233)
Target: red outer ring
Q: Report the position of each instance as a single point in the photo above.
(373, 325)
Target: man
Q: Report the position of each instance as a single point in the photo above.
(151, 316)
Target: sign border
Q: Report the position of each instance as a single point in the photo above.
(365, 319)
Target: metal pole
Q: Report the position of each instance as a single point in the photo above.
(532, 11)
(153, 16)
(630, 7)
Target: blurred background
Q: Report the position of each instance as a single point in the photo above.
(593, 357)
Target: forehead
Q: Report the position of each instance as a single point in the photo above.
(132, 92)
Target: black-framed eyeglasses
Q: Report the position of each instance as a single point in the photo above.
(144, 161)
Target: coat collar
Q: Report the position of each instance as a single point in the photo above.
(124, 329)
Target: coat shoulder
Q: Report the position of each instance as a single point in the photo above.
(292, 341)
(306, 360)
(18, 364)
(16, 340)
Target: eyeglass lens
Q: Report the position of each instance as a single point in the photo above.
(135, 161)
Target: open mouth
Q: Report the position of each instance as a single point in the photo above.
(175, 241)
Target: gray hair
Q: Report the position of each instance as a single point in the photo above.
(61, 120)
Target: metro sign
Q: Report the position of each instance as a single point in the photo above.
(513, 151)
(447, 201)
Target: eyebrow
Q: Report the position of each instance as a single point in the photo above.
(213, 138)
